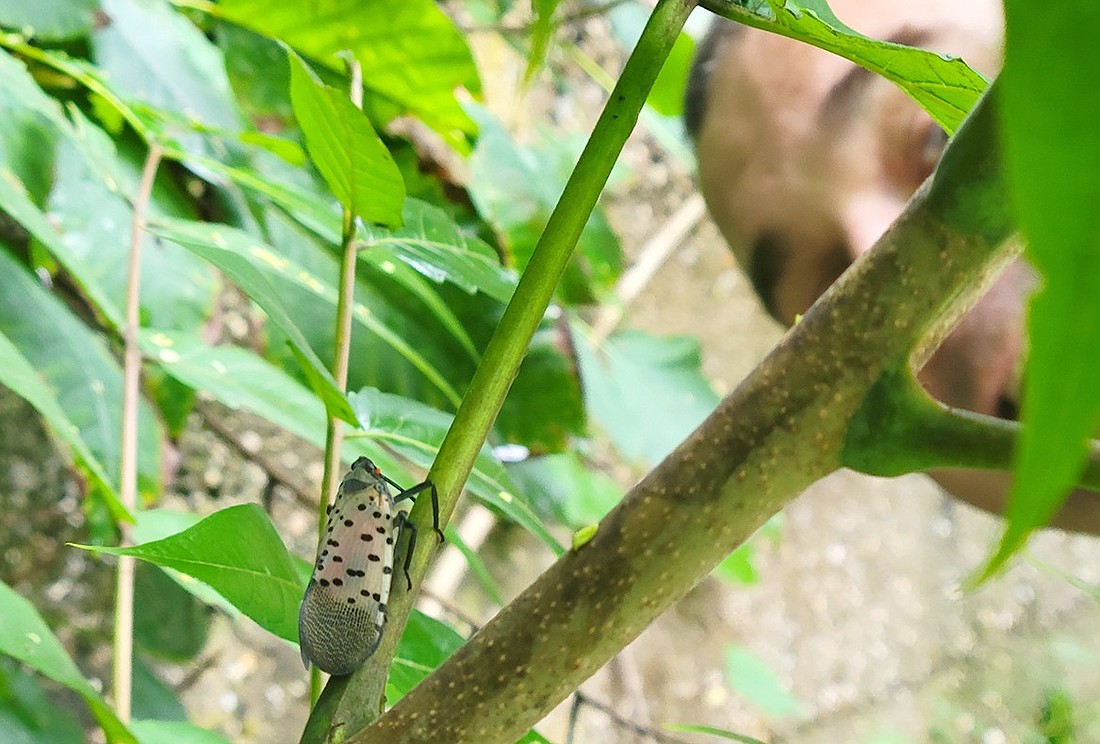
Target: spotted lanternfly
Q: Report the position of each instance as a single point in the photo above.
(344, 608)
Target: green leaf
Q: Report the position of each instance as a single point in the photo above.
(153, 698)
(49, 20)
(1053, 164)
(515, 189)
(169, 623)
(646, 392)
(541, 32)
(946, 87)
(81, 372)
(740, 565)
(92, 213)
(582, 495)
(18, 375)
(266, 277)
(666, 97)
(345, 148)
(749, 676)
(25, 637)
(425, 645)
(258, 71)
(175, 732)
(151, 53)
(435, 246)
(409, 50)
(251, 266)
(27, 716)
(544, 408)
(415, 431)
(238, 553)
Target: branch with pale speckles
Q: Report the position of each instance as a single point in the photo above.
(783, 428)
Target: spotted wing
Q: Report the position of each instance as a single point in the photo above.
(344, 609)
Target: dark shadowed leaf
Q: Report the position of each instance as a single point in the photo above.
(77, 366)
(27, 716)
(25, 637)
(647, 392)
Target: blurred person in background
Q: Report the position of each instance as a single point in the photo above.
(805, 159)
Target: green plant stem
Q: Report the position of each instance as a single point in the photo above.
(782, 429)
(345, 302)
(509, 343)
(122, 668)
(901, 429)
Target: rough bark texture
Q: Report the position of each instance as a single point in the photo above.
(782, 429)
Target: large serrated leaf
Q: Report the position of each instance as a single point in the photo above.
(237, 552)
(415, 431)
(1052, 158)
(409, 50)
(24, 636)
(345, 148)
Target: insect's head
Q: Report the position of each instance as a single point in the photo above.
(367, 464)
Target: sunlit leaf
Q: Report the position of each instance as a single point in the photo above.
(237, 552)
(49, 20)
(433, 245)
(946, 87)
(345, 148)
(409, 50)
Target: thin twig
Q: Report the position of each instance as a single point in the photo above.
(623, 722)
(122, 672)
(334, 431)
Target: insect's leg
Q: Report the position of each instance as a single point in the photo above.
(409, 493)
(405, 524)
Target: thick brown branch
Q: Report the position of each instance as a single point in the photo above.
(781, 430)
